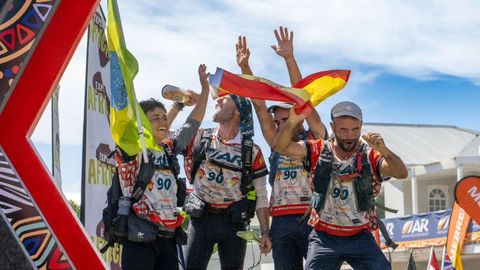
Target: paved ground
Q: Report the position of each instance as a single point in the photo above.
(265, 264)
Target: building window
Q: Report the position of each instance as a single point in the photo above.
(437, 199)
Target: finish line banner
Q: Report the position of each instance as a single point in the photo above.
(98, 143)
(425, 230)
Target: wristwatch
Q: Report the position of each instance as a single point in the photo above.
(179, 105)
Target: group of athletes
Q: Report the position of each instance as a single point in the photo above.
(323, 186)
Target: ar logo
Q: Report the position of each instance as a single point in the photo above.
(227, 157)
(415, 226)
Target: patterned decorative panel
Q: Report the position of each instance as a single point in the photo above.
(27, 222)
(37, 212)
(18, 30)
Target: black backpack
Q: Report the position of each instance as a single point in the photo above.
(109, 215)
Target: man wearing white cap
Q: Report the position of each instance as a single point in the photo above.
(289, 178)
(348, 172)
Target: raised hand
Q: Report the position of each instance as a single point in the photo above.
(193, 98)
(392, 165)
(285, 42)
(203, 76)
(295, 118)
(375, 141)
(243, 53)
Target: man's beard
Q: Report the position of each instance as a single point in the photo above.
(347, 145)
(222, 116)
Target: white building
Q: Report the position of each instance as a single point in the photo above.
(436, 156)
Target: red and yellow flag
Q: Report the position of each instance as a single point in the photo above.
(323, 84)
(314, 88)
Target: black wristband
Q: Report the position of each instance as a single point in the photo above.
(179, 105)
(265, 232)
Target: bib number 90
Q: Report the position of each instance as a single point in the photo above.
(164, 183)
(342, 193)
(212, 176)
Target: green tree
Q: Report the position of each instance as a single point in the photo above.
(75, 207)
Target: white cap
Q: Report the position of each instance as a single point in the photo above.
(346, 108)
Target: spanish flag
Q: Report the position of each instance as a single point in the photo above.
(314, 88)
(123, 68)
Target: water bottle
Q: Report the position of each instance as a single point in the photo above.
(175, 93)
(121, 224)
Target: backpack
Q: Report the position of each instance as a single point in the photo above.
(110, 215)
(245, 209)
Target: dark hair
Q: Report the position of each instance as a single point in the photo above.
(151, 104)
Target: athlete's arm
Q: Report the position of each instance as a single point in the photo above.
(283, 143)
(263, 213)
(392, 165)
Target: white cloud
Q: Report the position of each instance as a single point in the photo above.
(170, 38)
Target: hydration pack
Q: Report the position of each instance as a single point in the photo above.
(110, 217)
(362, 173)
(245, 209)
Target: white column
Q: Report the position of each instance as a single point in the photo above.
(459, 172)
(414, 191)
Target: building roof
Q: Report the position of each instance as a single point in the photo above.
(472, 149)
(424, 144)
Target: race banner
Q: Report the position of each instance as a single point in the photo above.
(98, 163)
(57, 176)
(425, 230)
(459, 222)
(467, 195)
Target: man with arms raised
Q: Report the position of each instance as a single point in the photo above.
(291, 189)
(228, 174)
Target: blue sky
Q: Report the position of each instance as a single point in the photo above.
(411, 62)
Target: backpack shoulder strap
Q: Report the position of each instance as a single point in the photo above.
(273, 160)
(323, 169)
(143, 178)
(247, 159)
(171, 158)
(200, 151)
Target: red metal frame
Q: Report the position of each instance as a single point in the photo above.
(22, 112)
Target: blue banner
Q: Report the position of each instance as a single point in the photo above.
(423, 230)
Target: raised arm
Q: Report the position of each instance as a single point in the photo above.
(284, 48)
(316, 125)
(187, 132)
(283, 143)
(199, 111)
(243, 55)
(392, 165)
(177, 107)
(264, 117)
